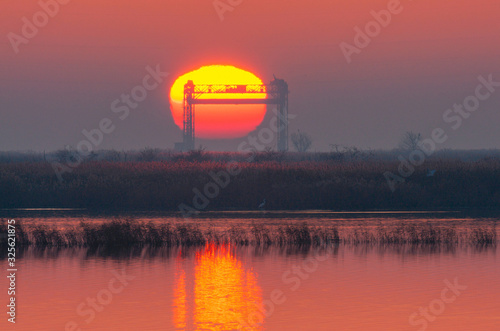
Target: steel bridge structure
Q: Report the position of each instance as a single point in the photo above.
(276, 94)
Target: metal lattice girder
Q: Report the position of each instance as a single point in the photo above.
(275, 93)
(218, 88)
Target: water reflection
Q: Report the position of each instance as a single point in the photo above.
(166, 252)
(179, 304)
(222, 294)
(360, 287)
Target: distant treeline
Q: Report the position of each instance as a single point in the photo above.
(344, 180)
(337, 153)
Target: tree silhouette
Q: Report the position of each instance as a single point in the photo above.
(301, 141)
(409, 141)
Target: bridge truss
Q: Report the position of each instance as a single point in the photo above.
(276, 94)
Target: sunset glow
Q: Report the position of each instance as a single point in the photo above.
(250, 165)
(225, 294)
(219, 121)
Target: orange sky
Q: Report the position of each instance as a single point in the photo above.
(91, 52)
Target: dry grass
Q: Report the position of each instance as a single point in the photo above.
(285, 184)
(129, 234)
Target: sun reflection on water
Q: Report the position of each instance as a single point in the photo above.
(221, 296)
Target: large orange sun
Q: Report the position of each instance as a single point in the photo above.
(219, 121)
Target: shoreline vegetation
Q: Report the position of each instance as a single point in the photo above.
(344, 180)
(126, 234)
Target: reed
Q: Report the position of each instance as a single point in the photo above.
(130, 233)
(286, 184)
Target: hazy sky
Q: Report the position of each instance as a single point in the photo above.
(66, 76)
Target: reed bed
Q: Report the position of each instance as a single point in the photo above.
(129, 234)
(286, 184)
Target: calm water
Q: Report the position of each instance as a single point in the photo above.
(280, 288)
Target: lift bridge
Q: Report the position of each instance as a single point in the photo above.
(276, 94)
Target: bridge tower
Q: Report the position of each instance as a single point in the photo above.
(276, 94)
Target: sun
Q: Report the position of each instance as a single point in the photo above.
(219, 121)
